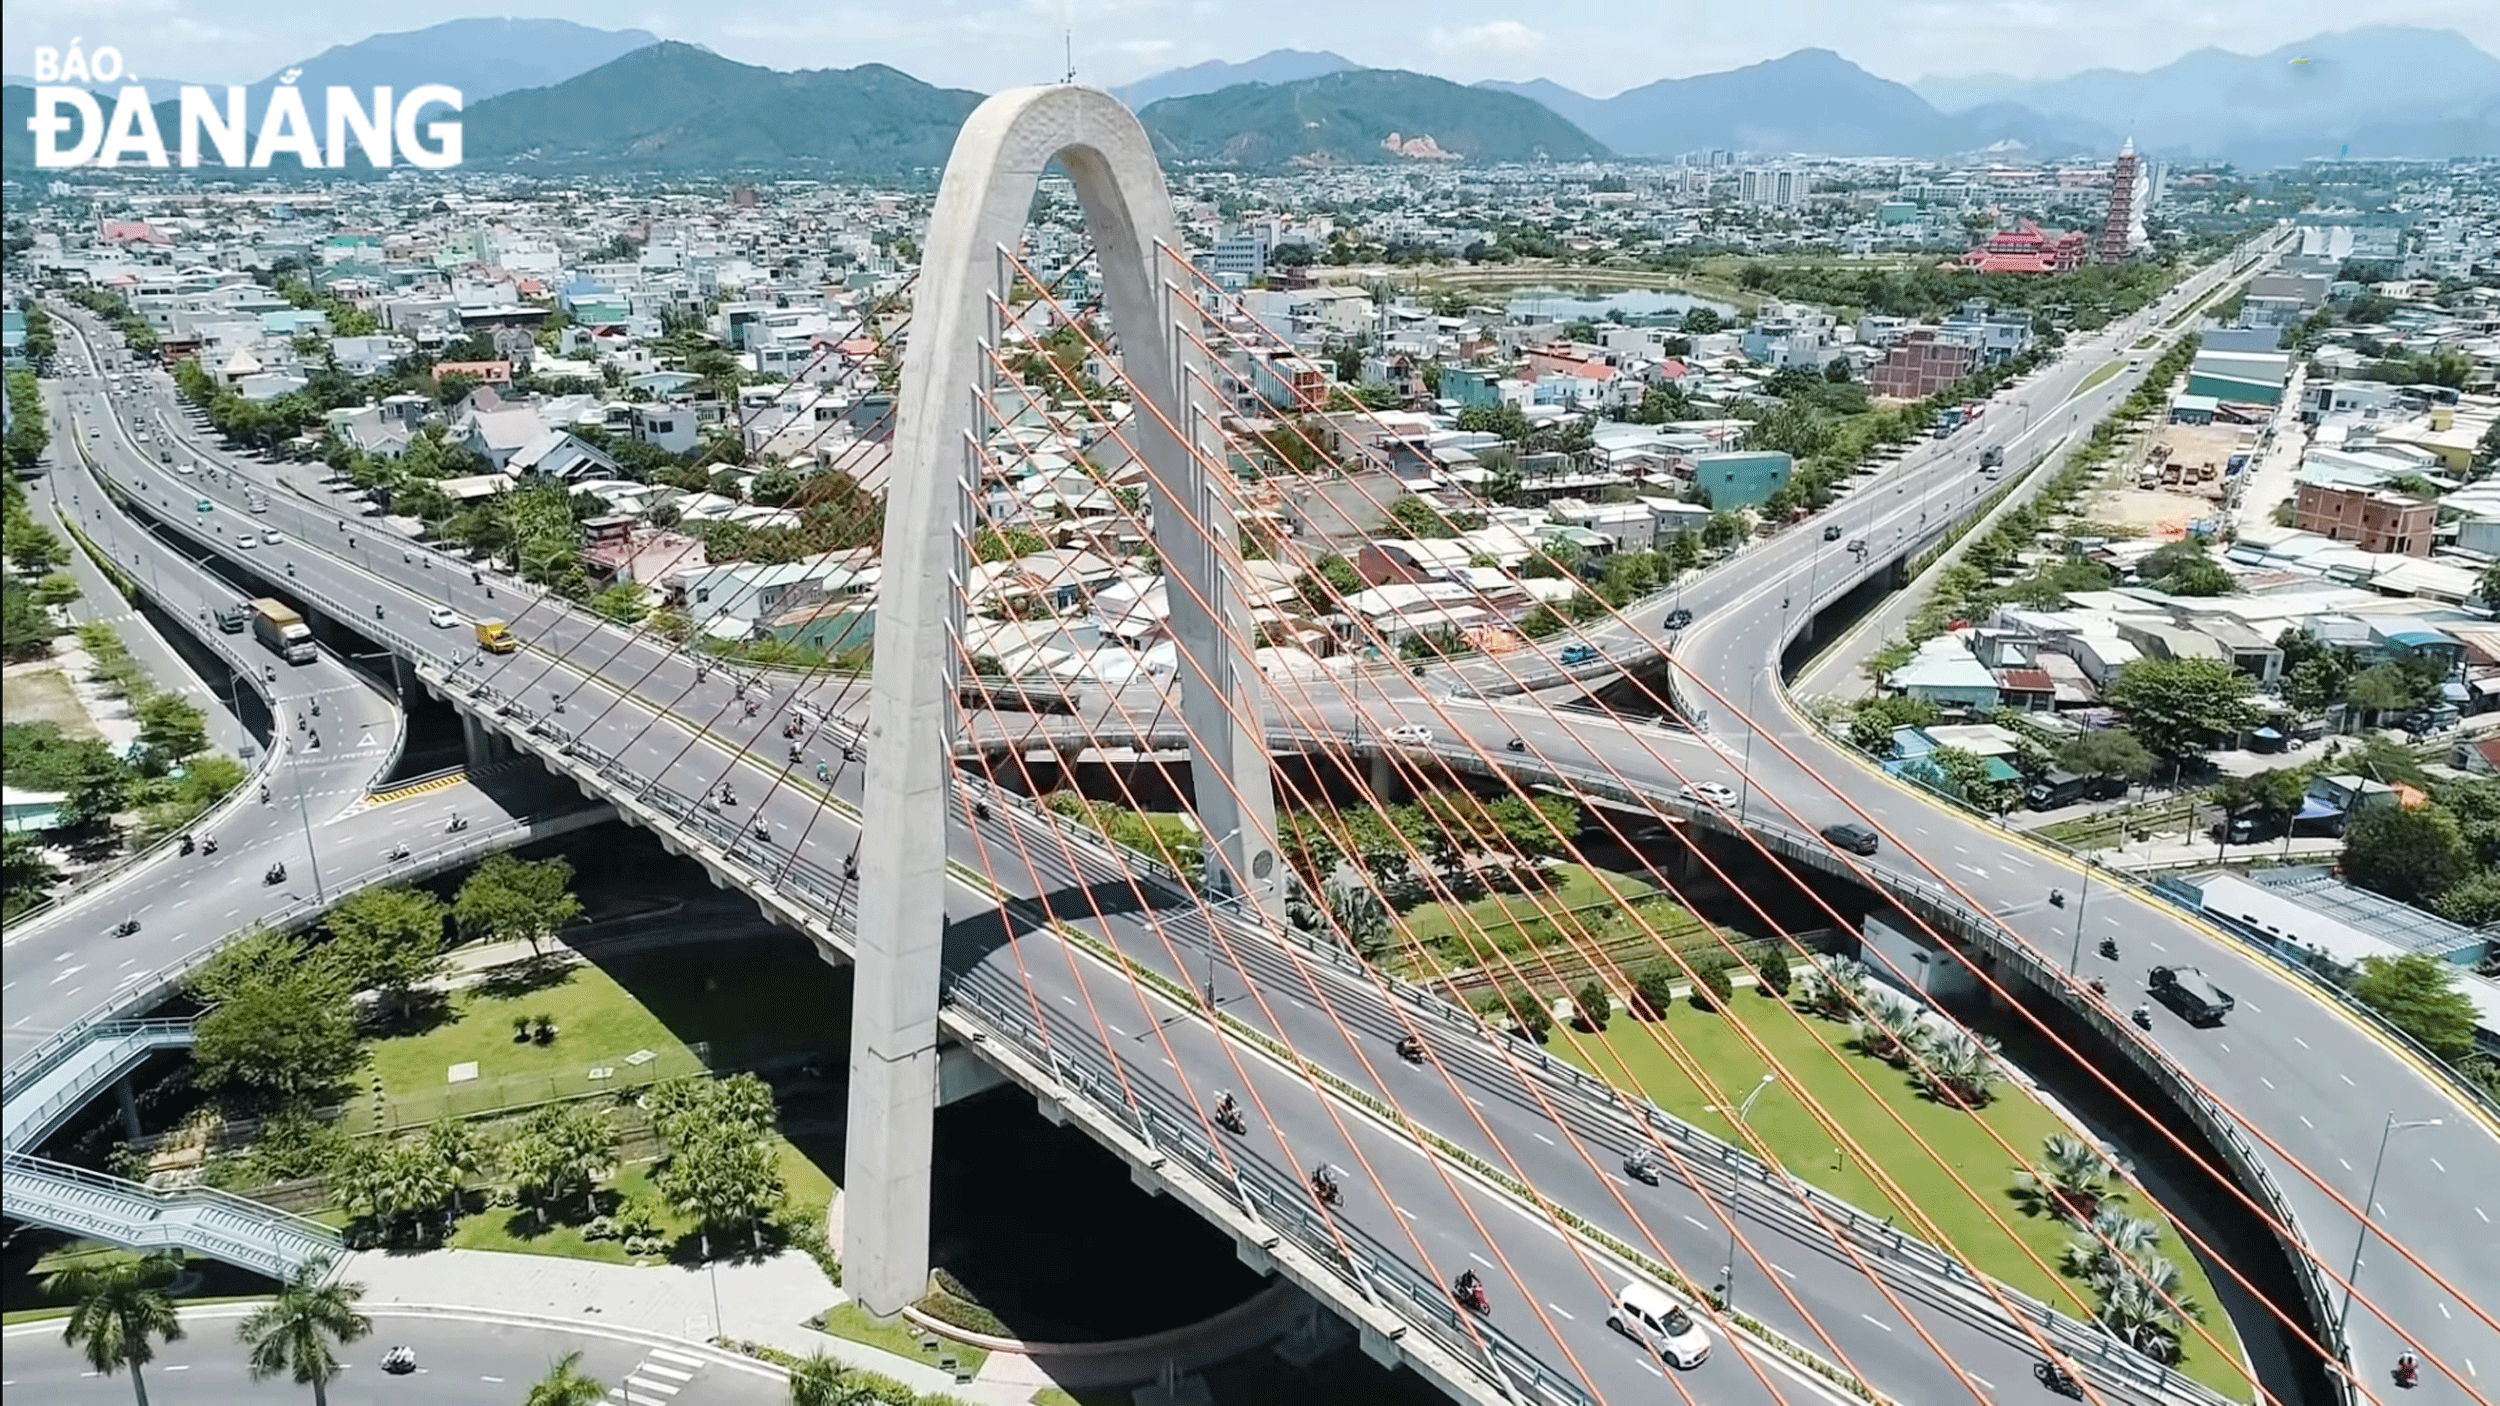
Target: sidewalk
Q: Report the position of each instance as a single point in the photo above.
(760, 1301)
(2190, 852)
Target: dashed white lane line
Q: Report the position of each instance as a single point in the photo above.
(73, 971)
(1871, 1318)
(2262, 1079)
(1549, 1142)
(2346, 1078)
(2304, 1122)
(2304, 1044)
(1567, 1313)
(1479, 1259)
(1401, 1210)
(496, 1380)
(2347, 1164)
(2436, 1164)
(178, 1367)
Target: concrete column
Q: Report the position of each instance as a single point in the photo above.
(483, 744)
(1384, 777)
(128, 1098)
(988, 188)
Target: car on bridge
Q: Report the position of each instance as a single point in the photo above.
(1831, 532)
(1575, 655)
(1650, 1318)
(246, 542)
(1678, 618)
(441, 618)
(1709, 793)
(2192, 994)
(1853, 837)
(1410, 735)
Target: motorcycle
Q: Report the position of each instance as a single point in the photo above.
(399, 1361)
(126, 927)
(1516, 745)
(850, 866)
(2109, 949)
(1324, 1186)
(2143, 1017)
(1640, 1168)
(2056, 1379)
(459, 824)
(276, 875)
(2408, 1371)
(186, 844)
(1228, 1116)
(794, 751)
(399, 851)
(1411, 1049)
(209, 845)
(823, 772)
(1469, 1291)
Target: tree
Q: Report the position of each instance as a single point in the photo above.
(566, 1384)
(2487, 585)
(1970, 776)
(1722, 530)
(121, 1308)
(1594, 1004)
(2185, 568)
(2072, 1180)
(1712, 985)
(723, 1175)
(2418, 994)
(26, 877)
(2106, 752)
(563, 1149)
(2176, 706)
(1873, 723)
(392, 938)
(507, 898)
(2409, 854)
(1360, 918)
(1653, 991)
(1960, 1069)
(2383, 688)
(395, 1180)
(818, 1380)
(281, 1026)
(293, 1333)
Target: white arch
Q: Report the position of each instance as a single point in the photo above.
(982, 201)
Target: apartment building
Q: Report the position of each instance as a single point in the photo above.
(1919, 365)
(2374, 520)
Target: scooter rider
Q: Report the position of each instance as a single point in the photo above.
(2408, 1369)
(1471, 1289)
(1411, 1047)
(2144, 1015)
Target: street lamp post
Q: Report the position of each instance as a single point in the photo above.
(2075, 961)
(1727, 1271)
(303, 813)
(2368, 1202)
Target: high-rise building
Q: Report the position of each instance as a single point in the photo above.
(2130, 195)
(1783, 186)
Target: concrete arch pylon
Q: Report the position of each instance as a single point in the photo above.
(982, 201)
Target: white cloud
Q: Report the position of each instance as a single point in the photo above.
(1493, 38)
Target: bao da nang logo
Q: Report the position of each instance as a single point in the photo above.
(71, 128)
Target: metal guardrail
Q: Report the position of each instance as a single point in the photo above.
(134, 1039)
(201, 1218)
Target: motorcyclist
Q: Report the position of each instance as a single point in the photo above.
(2408, 1369)
(1227, 1112)
(1324, 1184)
(186, 843)
(2109, 949)
(208, 843)
(1411, 1047)
(457, 823)
(1471, 1289)
(1517, 746)
(850, 866)
(2144, 1015)
(823, 772)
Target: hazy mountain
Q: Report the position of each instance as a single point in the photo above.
(1346, 117)
(1274, 66)
(2380, 89)
(676, 105)
(160, 90)
(481, 58)
(1811, 101)
(1951, 95)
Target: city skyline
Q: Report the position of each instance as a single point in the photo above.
(987, 45)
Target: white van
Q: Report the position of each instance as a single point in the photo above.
(1659, 1323)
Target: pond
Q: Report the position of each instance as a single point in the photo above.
(1565, 305)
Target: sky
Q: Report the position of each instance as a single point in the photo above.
(1596, 46)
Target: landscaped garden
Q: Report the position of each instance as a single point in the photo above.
(2009, 1227)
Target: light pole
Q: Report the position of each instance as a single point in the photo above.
(1727, 1271)
(2368, 1201)
(312, 853)
(2075, 961)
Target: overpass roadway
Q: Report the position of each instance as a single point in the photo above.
(2312, 1087)
(638, 704)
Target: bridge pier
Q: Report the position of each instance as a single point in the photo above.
(1384, 777)
(128, 1101)
(912, 791)
(484, 746)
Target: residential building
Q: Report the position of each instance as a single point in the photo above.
(1744, 479)
(2375, 520)
(1919, 365)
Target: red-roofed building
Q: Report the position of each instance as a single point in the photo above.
(2027, 248)
(132, 232)
(2031, 690)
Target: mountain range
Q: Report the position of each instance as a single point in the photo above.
(480, 57)
(557, 95)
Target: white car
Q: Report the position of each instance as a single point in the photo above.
(270, 538)
(1411, 735)
(1660, 1324)
(246, 542)
(441, 618)
(1710, 793)
(186, 470)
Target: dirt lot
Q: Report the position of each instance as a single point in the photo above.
(2166, 512)
(38, 692)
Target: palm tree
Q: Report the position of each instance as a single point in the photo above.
(821, 1381)
(121, 1305)
(2072, 1179)
(1961, 1068)
(294, 1333)
(1833, 987)
(566, 1384)
(2115, 1238)
(1889, 1027)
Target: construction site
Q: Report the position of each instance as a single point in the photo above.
(2182, 479)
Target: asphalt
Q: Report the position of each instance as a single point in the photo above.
(1515, 1125)
(460, 1362)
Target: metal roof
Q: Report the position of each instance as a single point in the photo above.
(2399, 925)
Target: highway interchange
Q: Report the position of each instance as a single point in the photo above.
(2283, 1087)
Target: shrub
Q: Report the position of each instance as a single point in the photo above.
(962, 1313)
(1711, 986)
(1772, 967)
(1595, 1005)
(1653, 990)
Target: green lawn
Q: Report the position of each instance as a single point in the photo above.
(742, 1001)
(1811, 1053)
(516, 1229)
(898, 1337)
(2106, 371)
(1516, 924)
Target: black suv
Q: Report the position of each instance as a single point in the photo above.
(1831, 532)
(1851, 836)
(1678, 619)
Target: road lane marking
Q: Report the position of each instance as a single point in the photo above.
(2435, 1162)
(1697, 1225)
(1567, 1313)
(2346, 1078)
(2262, 1079)
(1549, 1142)
(2304, 1044)
(2304, 1122)
(1479, 1259)
(1401, 1210)
(1871, 1318)
(73, 971)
